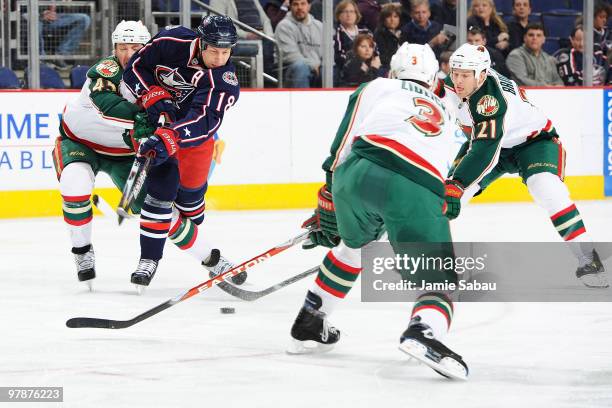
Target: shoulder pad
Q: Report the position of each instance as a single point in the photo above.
(225, 75)
(105, 68)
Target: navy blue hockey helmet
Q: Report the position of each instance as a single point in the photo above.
(218, 31)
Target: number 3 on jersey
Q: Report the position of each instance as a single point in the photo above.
(429, 120)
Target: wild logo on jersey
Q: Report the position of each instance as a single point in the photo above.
(171, 80)
(107, 68)
(487, 106)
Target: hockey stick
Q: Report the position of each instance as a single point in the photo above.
(132, 187)
(250, 296)
(77, 322)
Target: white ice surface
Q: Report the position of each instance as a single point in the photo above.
(519, 354)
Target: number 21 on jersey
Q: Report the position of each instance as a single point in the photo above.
(429, 120)
(486, 129)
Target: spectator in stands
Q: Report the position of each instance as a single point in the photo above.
(569, 61)
(484, 15)
(363, 65)
(445, 13)
(276, 11)
(388, 35)
(529, 64)
(299, 37)
(444, 64)
(369, 9)
(601, 32)
(70, 27)
(347, 15)
(521, 9)
(475, 36)
(421, 30)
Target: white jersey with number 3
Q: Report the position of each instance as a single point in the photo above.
(405, 120)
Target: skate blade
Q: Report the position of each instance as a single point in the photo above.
(447, 367)
(307, 347)
(89, 284)
(595, 280)
(140, 289)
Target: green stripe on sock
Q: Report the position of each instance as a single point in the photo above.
(333, 284)
(443, 305)
(184, 233)
(76, 206)
(566, 217)
(574, 227)
(337, 271)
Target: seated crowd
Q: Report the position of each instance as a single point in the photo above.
(368, 32)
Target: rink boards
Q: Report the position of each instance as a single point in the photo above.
(275, 144)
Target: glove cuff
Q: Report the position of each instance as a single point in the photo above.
(453, 189)
(325, 199)
(155, 94)
(170, 139)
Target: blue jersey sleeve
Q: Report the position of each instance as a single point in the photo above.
(139, 74)
(217, 90)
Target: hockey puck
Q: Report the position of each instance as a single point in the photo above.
(227, 310)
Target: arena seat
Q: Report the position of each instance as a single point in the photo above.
(8, 79)
(78, 76)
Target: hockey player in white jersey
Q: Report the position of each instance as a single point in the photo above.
(100, 131)
(511, 135)
(386, 171)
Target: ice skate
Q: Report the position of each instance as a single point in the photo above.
(144, 273)
(217, 264)
(593, 274)
(84, 258)
(418, 342)
(311, 333)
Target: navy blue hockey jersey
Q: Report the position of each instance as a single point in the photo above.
(172, 60)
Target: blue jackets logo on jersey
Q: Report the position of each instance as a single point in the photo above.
(171, 80)
(230, 78)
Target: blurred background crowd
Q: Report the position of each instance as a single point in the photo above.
(534, 42)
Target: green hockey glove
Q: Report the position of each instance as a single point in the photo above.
(453, 194)
(323, 222)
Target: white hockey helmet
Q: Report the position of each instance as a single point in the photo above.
(415, 61)
(471, 57)
(131, 32)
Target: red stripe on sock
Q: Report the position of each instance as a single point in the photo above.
(176, 226)
(192, 213)
(78, 223)
(434, 307)
(158, 226)
(342, 265)
(574, 234)
(330, 290)
(563, 212)
(75, 199)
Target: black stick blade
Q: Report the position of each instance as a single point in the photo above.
(89, 322)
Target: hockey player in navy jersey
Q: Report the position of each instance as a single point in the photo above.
(186, 78)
